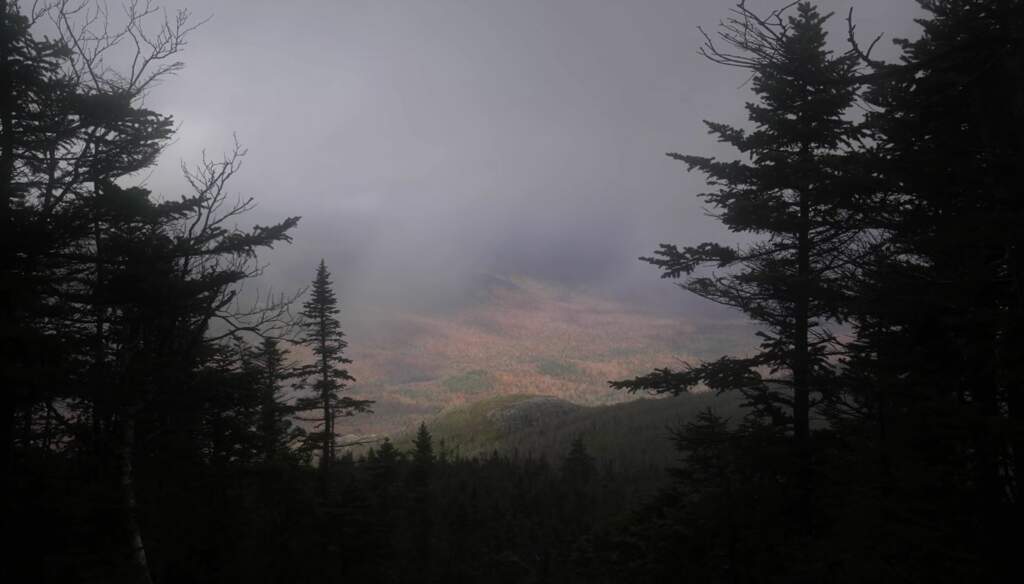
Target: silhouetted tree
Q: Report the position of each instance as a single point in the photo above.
(422, 503)
(932, 385)
(795, 192)
(323, 336)
(274, 426)
(66, 138)
(383, 464)
(422, 454)
(578, 467)
(39, 118)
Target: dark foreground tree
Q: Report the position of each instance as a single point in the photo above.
(933, 382)
(917, 441)
(32, 84)
(791, 190)
(122, 287)
(65, 140)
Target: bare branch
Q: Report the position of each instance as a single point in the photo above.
(758, 36)
(152, 38)
(864, 55)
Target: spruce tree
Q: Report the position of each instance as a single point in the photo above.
(36, 118)
(933, 381)
(422, 455)
(578, 467)
(791, 192)
(273, 426)
(325, 377)
(422, 503)
(67, 138)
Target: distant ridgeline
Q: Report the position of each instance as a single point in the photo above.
(630, 437)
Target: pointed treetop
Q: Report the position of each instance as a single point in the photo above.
(424, 446)
(322, 302)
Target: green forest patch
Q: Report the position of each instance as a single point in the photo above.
(470, 381)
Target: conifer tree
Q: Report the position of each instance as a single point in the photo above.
(420, 478)
(326, 377)
(82, 240)
(272, 371)
(792, 191)
(382, 463)
(934, 378)
(578, 468)
(36, 118)
(422, 454)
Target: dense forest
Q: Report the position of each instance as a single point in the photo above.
(161, 425)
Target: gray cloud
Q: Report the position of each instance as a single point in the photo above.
(423, 141)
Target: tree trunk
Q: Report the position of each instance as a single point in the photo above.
(7, 401)
(140, 566)
(801, 363)
(327, 456)
(7, 414)
(326, 446)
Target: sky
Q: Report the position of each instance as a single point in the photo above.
(425, 141)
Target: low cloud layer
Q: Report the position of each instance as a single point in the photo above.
(423, 142)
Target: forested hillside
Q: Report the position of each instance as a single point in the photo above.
(631, 437)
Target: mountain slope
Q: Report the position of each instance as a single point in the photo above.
(633, 436)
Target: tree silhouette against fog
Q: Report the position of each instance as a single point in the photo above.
(272, 370)
(933, 381)
(906, 227)
(325, 378)
(790, 190)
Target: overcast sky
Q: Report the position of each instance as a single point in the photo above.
(425, 140)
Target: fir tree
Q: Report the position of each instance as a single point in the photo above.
(37, 121)
(933, 380)
(423, 453)
(794, 192)
(90, 249)
(421, 476)
(324, 337)
(274, 428)
(578, 468)
(382, 463)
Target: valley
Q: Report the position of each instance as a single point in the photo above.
(516, 336)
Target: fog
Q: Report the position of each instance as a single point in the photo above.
(423, 142)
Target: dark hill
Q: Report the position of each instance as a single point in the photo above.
(632, 436)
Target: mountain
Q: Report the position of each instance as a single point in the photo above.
(632, 436)
(508, 336)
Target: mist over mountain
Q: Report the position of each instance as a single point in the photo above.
(515, 335)
(397, 331)
(424, 143)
